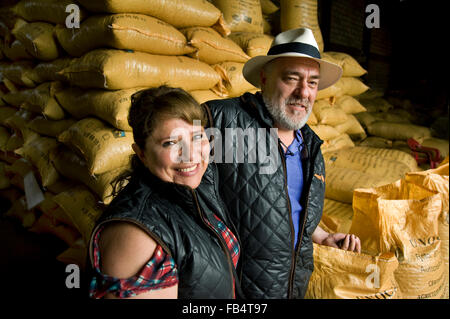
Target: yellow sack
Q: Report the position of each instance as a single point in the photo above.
(127, 31)
(403, 218)
(351, 86)
(390, 117)
(377, 104)
(398, 131)
(394, 155)
(73, 167)
(82, 208)
(365, 118)
(341, 274)
(213, 48)
(437, 180)
(268, 7)
(343, 141)
(328, 114)
(6, 112)
(45, 225)
(253, 44)
(38, 100)
(53, 211)
(49, 71)
(301, 13)
(20, 72)
(232, 82)
(241, 15)
(376, 142)
(38, 39)
(325, 132)
(37, 152)
(116, 69)
(103, 147)
(349, 104)
(367, 162)
(441, 144)
(312, 119)
(202, 96)
(18, 123)
(111, 106)
(341, 182)
(53, 11)
(350, 67)
(331, 91)
(179, 13)
(49, 127)
(340, 213)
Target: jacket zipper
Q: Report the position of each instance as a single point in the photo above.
(291, 223)
(227, 253)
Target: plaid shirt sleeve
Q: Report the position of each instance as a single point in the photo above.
(159, 272)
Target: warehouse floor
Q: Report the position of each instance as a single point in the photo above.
(28, 264)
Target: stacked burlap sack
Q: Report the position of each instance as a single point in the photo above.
(403, 227)
(391, 125)
(65, 96)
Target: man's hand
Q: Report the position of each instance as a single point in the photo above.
(337, 240)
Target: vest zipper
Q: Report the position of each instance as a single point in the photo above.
(224, 247)
(291, 223)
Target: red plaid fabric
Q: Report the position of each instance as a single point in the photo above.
(160, 271)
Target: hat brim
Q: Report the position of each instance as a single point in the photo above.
(330, 73)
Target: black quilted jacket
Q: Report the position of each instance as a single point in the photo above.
(172, 215)
(259, 205)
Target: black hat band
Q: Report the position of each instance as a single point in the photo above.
(297, 47)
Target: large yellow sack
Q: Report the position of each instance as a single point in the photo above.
(82, 208)
(268, 7)
(328, 114)
(337, 143)
(398, 131)
(19, 211)
(438, 143)
(20, 72)
(350, 67)
(403, 218)
(390, 117)
(341, 182)
(111, 106)
(253, 44)
(6, 112)
(179, 13)
(18, 123)
(329, 92)
(312, 119)
(37, 152)
(340, 213)
(301, 13)
(116, 69)
(241, 15)
(377, 104)
(376, 142)
(38, 100)
(232, 81)
(325, 132)
(438, 180)
(366, 162)
(365, 118)
(50, 128)
(38, 38)
(341, 274)
(52, 210)
(213, 48)
(349, 104)
(351, 86)
(53, 11)
(123, 31)
(352, 128)
(49, 71)
(104, 148)
(75, 168)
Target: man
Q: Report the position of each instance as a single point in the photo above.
(277, 214)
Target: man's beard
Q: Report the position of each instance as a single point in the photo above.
(280, 115)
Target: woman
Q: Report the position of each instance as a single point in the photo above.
(166, 234)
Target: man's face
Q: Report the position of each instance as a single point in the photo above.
(289, 88)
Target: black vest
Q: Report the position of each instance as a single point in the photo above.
(259, 204)
(173, 215)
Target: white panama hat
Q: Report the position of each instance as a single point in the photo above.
(293, 43)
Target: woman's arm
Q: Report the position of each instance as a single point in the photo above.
(125, 249)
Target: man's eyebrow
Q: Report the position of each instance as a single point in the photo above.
(312, 77)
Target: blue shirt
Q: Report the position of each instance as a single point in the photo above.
(294, 174)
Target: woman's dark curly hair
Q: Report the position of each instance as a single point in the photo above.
(149, 108)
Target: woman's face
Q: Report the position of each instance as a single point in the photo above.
(176, 152)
